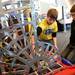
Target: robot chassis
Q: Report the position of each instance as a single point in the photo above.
(17, 56)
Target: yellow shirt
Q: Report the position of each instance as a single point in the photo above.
(45, 26)
(28, 27)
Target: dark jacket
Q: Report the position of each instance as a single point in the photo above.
(72, 37)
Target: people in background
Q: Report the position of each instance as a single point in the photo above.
(48, 28)
(69, 52)
(29, 29)
(72, 37)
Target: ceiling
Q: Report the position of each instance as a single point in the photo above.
(12, 2)
(69, 3)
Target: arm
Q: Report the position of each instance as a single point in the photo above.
(39, 30)
(54, 39)
(54, 34)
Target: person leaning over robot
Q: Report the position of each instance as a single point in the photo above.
(47, 29)
(69, 52)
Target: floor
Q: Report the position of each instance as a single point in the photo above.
(63, 39)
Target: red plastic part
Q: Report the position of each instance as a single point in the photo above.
(67, 71)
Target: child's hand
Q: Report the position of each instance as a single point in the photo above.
(56, 47)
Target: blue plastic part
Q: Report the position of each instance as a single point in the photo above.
(66, 62)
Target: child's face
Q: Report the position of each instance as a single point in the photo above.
(50, 20)
(73, 15)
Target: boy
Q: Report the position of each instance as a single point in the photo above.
(69, 52)
(47, 29)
